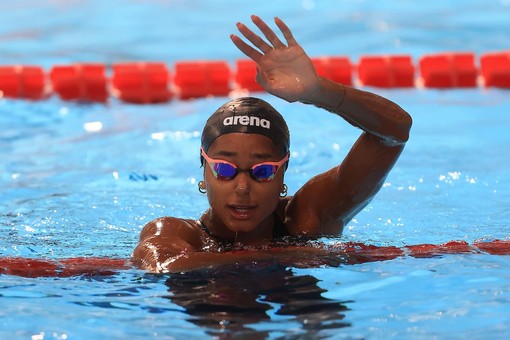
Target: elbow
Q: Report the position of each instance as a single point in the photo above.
(407, 127)
(403, 129)
(406, 130)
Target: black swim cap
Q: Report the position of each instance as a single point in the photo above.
(247, 115)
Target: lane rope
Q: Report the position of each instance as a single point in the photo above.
(352, 252)
(145, 82)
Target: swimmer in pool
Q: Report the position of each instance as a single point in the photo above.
(245, 153)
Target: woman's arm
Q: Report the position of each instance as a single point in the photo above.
(329, 200)
(162, 255)
(287, 72)
(368, 111)
(173, 245)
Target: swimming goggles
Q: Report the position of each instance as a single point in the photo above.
(225, 171)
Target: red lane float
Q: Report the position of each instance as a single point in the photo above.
(496, 247)
(244, 77)
(387, 71)
(141, 82)
(22, 82)
(81, 82)
(495, 69)
(354, 252)
(338, 69)
(361, 253)
(452, 247)
(202, 79)
(150, 82)
(448, 70)
(88, 266)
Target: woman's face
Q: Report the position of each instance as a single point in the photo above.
(242, 204)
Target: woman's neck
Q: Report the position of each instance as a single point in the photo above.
(260, 235)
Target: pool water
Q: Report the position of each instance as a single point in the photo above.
(82, 180)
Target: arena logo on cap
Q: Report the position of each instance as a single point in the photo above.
(247, 120)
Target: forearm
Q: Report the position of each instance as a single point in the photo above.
(368, 111)
(162, 259)
(161, 262)
(198, 260)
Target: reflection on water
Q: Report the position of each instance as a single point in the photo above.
(238, 300)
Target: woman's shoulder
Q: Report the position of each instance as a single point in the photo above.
(168, 226)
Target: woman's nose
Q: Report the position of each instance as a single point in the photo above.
(243, 182)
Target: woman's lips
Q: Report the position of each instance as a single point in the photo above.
(241, 212)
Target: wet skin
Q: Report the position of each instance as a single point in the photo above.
(242, 208)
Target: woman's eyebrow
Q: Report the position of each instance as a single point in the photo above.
(262, 155)
(256, 155)
(226, 153)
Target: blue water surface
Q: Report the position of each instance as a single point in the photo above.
(82, 179)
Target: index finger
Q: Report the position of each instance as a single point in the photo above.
(249, 51)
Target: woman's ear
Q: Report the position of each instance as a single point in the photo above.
(201, 187)
(283, 192)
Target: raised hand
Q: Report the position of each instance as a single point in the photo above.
(285, 71)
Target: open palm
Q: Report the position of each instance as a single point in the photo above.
(285, 71)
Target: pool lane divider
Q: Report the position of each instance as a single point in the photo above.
(352, 252)
(153, 82)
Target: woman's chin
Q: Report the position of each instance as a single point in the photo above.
(238, 227)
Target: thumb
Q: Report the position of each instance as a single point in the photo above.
(260, 77)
